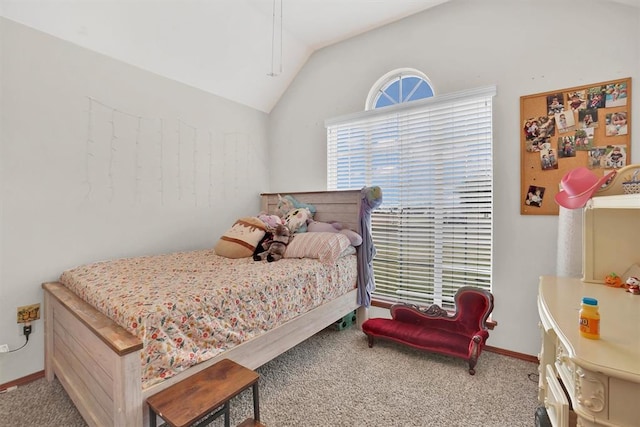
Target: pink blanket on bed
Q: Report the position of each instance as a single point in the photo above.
(187, 307)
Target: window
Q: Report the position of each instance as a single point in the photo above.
(397, 87)
(433, 160)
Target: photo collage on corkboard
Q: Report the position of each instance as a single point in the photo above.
(561, 130)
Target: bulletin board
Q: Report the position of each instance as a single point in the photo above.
(560, 130)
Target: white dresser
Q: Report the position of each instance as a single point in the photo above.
(601, 377)
(587, 382)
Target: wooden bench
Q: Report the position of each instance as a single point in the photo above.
(195, 398)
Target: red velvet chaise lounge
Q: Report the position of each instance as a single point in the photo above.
(461, 334)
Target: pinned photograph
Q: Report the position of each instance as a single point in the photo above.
(538, 144)
(555, 103)
(588, 118)
(534, 196)
(565, 122)
(531, 129)
(537, 132)
(597, 158)
(595, 97)
(584, 139)
(548, 159)
(616, 124)
(615, 157)
(578, 100)
(547, 126)
(566, 146)
(615, 95)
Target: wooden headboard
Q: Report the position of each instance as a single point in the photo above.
(341, 205)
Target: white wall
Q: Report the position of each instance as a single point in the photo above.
(177, 167)
(68, 199)
(524, 47)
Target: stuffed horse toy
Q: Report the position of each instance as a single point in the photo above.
(277, 246)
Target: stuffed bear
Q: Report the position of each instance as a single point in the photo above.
(277, 245)
(335, 227)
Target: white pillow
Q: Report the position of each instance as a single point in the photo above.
(326, 247)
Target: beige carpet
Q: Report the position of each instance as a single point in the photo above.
(334, 379)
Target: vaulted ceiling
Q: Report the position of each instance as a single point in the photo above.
(248, 51)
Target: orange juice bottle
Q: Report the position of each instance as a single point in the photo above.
(590, 318)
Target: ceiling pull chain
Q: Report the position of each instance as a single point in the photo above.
(273, 41)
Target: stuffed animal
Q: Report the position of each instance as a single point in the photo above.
(289, 203)
(277, 245)
(297, 219)
(284, 206)
(271, 221)
(633, 285)
(373, 196)
(335, 227)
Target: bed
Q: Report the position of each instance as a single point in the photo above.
(98, 361)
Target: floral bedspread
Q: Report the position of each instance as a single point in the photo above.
(187, 307)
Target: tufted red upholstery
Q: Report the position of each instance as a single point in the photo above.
(462, 334)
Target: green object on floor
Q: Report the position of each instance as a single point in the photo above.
(345, 322)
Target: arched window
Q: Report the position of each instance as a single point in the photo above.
(399, 86)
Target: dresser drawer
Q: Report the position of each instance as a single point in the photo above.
(555, 400)
(566, 369)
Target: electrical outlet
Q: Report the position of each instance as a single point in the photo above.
(28, 313)
(4, 348)
(21, 327)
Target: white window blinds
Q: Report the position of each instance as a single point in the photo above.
(433, 160)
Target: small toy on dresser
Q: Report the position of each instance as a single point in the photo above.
(613, 280)
(633, 285)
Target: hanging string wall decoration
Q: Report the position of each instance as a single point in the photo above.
(112, 150)
(161, 162)
(211, 188)
(103, 122)
(193, 159)
(138, 168)
(140, 160)
(230, 157)
(195, 165)
(224, 162)
(238, 151)
(89, 148)
(179, 161)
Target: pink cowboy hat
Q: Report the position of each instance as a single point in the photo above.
(578, 185)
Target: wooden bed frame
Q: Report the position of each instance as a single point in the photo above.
(98, 362)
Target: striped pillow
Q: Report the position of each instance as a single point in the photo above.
(326, 247)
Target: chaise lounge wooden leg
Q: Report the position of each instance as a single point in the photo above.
(370, 340)
(475, 353)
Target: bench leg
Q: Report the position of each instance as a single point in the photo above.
(152, 418)
(227, 418)
(256, 403)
